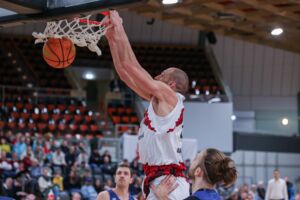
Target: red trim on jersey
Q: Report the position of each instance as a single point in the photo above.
(155, 171)
(147, 121)
(178, 122)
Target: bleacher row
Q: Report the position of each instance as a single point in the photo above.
(122, 115)
(155, 58)
(23, 115)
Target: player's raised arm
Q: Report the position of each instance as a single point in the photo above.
(127, 66)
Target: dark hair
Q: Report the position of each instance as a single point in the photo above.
(218, 168)
(124, 166)
(181, 79)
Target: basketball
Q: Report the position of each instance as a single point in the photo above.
(59, 52)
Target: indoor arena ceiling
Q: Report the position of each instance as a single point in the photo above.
(250, 20)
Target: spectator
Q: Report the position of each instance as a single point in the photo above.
(7, 188)
(58, 180)
(4, 146)
(83, 159)
(58, 159)
(261, 192)
(277, 188)
(106, 166)
(72, 182)
(71, 156)
(290, 189)
(95, 159)
(106, 153)
(87, 190)
(297, 197)
(20, 147)
(44, 181)
(76, 196)
(35, 169)
(98, 186)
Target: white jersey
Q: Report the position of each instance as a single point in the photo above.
(160, 138)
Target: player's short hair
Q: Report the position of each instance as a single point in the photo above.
(181, 79)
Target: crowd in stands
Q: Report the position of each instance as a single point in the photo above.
(34, 166)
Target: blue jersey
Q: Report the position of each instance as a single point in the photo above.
(207, 194)
(114, 196)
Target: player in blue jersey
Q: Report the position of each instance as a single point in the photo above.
(123, 179)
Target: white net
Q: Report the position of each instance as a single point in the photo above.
(81, 31)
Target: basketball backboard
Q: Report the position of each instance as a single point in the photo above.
(25, 11)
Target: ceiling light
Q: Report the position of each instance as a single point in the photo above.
(277, 31)
(89, 76)
(233, 117)
(285, 121)
(168, 2)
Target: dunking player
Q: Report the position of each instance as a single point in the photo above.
(161, 129)
(123, 178)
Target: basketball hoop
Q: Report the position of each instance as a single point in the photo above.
(81, 31)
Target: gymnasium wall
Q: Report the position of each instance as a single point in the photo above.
(262, 79)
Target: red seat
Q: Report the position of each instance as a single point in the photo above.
(12, 125)
(25, 116)
(129, 111)
(62, 127)
(116, 119)
(31, 126)
(15, 115)
(45, 117)
(73, 127)
(52, 127)
(72, 108)
(125, 119)
(29, 107)
(111, 110)
(134, 119)
(61, 107)
(88, 118)
(94, 128)
(121, 110)
(56, 117)
(2, 124)
(82, 109)
(21, 126)
(50, 107)
(35, 117)
(19, 105)
(67, 118)
(83, 128)
(77, 119)
(9, 105)
(41, 127)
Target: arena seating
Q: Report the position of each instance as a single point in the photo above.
(54, 115)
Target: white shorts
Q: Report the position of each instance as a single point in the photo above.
(180, 193)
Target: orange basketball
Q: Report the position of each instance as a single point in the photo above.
(59, 53)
